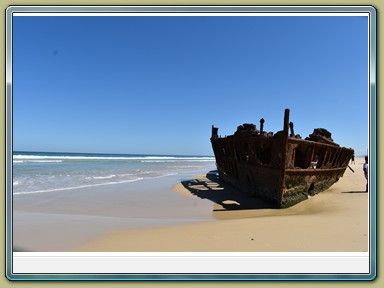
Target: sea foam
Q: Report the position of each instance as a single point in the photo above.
(76, 187)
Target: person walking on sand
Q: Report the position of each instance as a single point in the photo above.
(353, 159)
(365, 169)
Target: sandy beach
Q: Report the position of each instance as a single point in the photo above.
(200, 213)
(65, 220)
(335, 220)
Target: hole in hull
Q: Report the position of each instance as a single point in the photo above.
(311, 189)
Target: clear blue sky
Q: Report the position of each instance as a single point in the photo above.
(156, 84)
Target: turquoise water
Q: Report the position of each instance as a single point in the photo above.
(43, 172)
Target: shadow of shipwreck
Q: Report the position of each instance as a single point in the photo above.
(353, 192)
(223, 194)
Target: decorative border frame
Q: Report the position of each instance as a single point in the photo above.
(11, 256)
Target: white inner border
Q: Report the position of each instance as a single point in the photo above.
(192, 262)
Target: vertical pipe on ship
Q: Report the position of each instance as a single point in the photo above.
(284, 155)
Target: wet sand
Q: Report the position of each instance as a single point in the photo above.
(64, 220)
(335, 220)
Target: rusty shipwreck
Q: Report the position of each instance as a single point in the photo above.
(280, 168)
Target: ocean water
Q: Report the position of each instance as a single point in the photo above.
(44, 172)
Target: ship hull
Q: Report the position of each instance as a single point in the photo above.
(280, 169)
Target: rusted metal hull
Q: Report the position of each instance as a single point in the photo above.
(281, 169)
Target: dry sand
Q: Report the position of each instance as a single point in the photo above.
(336, 220)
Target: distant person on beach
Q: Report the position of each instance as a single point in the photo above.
(353, 159)
(365, 169)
